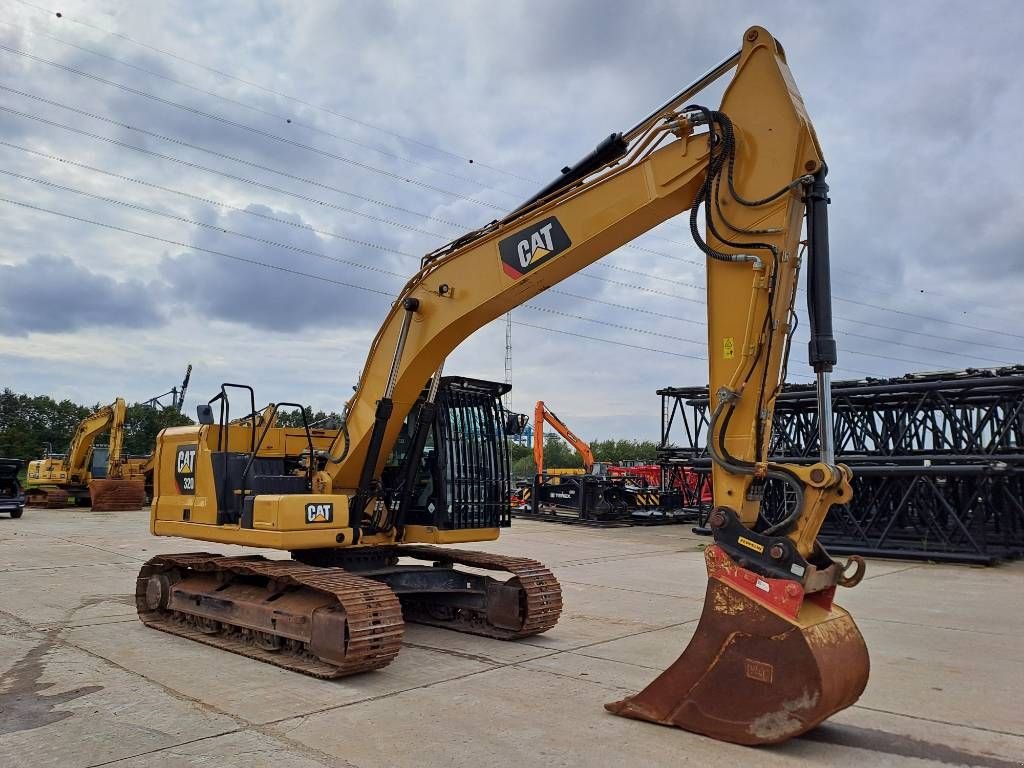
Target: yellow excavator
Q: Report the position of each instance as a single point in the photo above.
(103, 478)
(421, 459)
(542, 414)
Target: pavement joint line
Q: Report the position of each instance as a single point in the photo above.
(616, 661)
(58, 636)
(202, 706)
(627, 589)
(598, 559)
(453, 652)
(60, 567)
(891, 573)
(90, 546)
(389, 694)
(564, 675)
(938, 721)
(324, 758)
(933, 626)
(120, 619)
(165, 748)
(608, 639)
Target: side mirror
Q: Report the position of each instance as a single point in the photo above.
(515, 423)
(205, 414)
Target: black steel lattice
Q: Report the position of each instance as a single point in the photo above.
(938, 459)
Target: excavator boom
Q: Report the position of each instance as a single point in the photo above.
(541, 414)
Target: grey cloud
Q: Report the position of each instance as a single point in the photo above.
(918, 117)
(225, 289)
(53, 293)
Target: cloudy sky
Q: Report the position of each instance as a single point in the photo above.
(241, 186)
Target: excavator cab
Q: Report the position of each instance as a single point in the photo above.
(450, 465)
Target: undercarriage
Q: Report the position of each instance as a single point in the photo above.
(337, 612)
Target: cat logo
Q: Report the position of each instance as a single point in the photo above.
(185, 469)
(532, 247)
(319, 513)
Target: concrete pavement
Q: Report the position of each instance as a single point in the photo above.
(84, 684)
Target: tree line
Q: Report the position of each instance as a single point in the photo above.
(32, 425)
(558, 453)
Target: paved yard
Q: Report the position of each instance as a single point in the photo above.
(85, 684)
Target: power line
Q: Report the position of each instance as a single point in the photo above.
(168, 241)
(927, 317)
(608, 341)
(253, 129)
(360, 122)
(348, 262)
(875, 280)
(218, 203)
(927, 335)
(366, 243)
(207, 200)
(196, 223)
(288, 120)
(378, 202)
(627, 307)
(327, 233)
(259, 166)
(296, 272)
(315, 128)
(593, 277)
(325, 256)
(310, 252)
(282, 95)
(631, 329)
(233, 177)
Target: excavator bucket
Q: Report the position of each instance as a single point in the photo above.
(117, 495)
(761, 668)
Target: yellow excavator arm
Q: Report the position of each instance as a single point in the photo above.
(108, 418)
(541, 414)
(765, 152)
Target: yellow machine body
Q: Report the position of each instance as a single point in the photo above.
(120, 486)
(185, 499)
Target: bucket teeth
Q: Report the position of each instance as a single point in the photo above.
(753, 676)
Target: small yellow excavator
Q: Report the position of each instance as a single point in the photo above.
(100, 477)
(542, 414)
(420, 462)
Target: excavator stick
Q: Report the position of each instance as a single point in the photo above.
(112, 495)
(766, 663)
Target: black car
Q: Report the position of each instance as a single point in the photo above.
(12, 497)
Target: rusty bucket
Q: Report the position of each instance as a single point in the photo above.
(758, 670)
(115, 495)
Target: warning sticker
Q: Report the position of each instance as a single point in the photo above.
(728, 347)
(745, 542)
